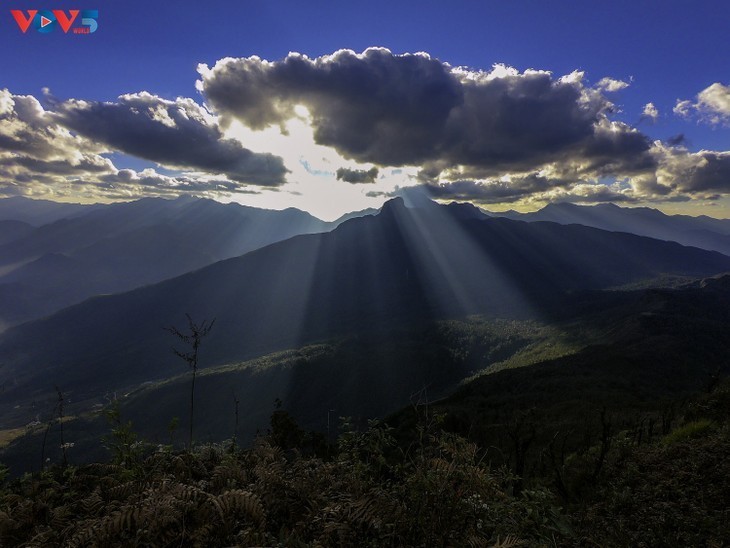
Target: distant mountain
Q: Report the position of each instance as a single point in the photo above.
(13, 230)
(39, 212)
(221, 229)
(703, 232)
(118, 247)
(355, 214)
(371, 273)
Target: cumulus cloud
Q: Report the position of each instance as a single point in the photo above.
(650, 112)
(26, 128)
(149, 180)
(492, 191)
(355, 176)
(592, 193)
(704, 173)
(486, 136)
(40, 156)
(611, 85)
(534, 189)
(178, 134)
(400, 110)
(711, 105)
(36, 153)
(500, 135)
(109, 183)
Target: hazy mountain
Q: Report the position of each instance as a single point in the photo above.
(39, 212)
(354, 215)
(119, 263)
(223, 230)
(119, 247)
(703, 232)
(13, 230)
(403, 265)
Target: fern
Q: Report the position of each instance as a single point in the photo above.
(236, 503)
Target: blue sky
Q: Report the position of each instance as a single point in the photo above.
(655, 52)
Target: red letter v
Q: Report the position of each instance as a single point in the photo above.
(23, 23)
(64, 21)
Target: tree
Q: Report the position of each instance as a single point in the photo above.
(192, 339)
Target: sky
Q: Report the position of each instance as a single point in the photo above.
(334, 106)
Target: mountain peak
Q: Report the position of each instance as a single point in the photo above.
(465, 210)
(396, 204)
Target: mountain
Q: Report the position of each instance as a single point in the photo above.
(354, 215)
(703, 232)
(402, 266)
(646, 351)
(13, 230)
(118, 247)
(39, 212)
(221, 229)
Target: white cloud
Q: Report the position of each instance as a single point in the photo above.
(712, 105)
(650, 112)
(611, 85)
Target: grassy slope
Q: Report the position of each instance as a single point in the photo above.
(364, 376)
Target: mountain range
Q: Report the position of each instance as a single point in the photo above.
(113, 248)
(40, 212)
(373, 274)
(703, 231)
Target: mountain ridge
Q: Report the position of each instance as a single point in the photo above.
(403, 265)
(703, 231)
(120, 246)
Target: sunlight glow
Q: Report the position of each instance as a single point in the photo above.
(313, 185)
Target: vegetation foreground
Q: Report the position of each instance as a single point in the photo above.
(372, 488)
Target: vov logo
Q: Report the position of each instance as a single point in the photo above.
(45, 21)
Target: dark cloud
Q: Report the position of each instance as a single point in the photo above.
(399, 110)
(355, 176)
(710, 173)
(517, 121)
(179, 134)
(615, 148)
(492, 191)
(704, 174)
(83, 166)
(372, 107)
